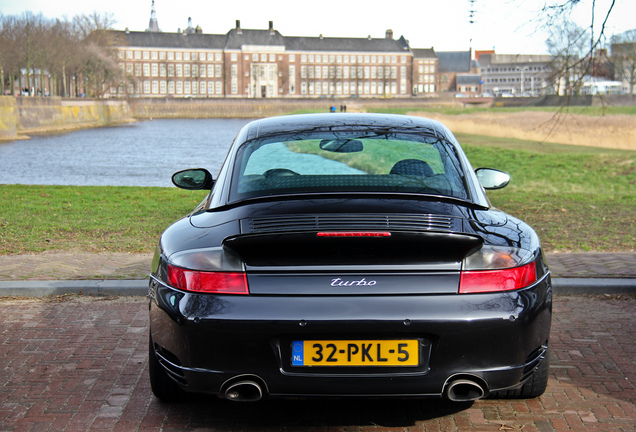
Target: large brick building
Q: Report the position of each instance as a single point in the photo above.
(247, 63)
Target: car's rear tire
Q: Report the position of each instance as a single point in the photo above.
(164, 388)
(534, 387)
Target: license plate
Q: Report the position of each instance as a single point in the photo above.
(356, 353)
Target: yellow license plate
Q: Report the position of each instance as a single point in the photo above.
(356, 353)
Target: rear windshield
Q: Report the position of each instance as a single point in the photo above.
(312, 163)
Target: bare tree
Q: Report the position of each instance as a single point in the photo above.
(584, 40)
(98, 67)
(624, 58)
(567, 44)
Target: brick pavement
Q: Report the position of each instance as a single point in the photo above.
(76, 364)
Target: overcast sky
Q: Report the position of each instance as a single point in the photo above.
(508, 26)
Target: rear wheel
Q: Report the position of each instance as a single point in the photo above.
(162, 386)
(534, 387)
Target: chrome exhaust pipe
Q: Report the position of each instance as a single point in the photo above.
(244, 391)
(463, 390)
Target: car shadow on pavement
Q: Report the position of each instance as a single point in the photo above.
(282, 413)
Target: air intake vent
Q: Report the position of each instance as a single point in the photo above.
(394, 222)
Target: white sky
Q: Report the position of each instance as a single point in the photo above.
(509, 26)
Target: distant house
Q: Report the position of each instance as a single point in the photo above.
(458, 73)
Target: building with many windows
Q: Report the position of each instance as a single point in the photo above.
(515, 74)
(264, 64)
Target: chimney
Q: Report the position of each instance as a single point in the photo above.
(389, 34)
(238, 27)
(271, 27)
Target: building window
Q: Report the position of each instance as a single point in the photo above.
(155, 87)
(292, 79)
(162, 87)
(178, 56)
(233, 57)
(186, 70)
(292, 57)
(219, 71)
(179, 70)
(155, 70)
(219, 89)
(129, 54)
(186, 56)
(211, 71)
(170, 87)
(170, 55)
(146, 87)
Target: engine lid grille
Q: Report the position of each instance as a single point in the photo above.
(334, 222)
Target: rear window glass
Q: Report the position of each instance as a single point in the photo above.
(346, 163)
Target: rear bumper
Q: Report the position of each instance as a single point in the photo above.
(207, 341)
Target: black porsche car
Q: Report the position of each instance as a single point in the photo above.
(348, 255)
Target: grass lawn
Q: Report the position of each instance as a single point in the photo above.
(577, 198)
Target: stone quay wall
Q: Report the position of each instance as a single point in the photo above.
(28, 115)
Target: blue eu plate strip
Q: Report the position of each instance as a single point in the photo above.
(297, 353)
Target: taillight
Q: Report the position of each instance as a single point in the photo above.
(207, 282)
(218, 271)
(495, 268)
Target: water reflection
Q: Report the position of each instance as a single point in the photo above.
(139, 154)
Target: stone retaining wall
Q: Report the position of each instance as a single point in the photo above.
(27, 115)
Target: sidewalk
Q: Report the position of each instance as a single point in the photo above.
(125, 274)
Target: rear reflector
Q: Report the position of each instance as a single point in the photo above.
(207, 282)
(354, 234)
(481, 281)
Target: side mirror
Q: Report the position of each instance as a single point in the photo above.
(492, 178)
(193, 179)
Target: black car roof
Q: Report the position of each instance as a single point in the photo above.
(343, 122)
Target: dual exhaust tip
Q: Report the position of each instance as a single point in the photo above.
(458, 390)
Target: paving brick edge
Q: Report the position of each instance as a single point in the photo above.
(139, 287)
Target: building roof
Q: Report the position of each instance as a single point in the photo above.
(173, 40)
(454, 61)
(237, 39)
(468, 79)
(424, 53)
(296, 43)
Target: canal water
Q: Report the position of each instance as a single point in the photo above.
(145, 153)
